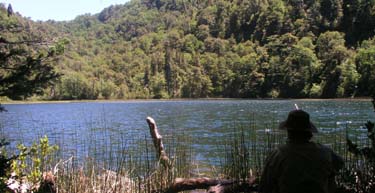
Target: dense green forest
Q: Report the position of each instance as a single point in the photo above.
(211, 48)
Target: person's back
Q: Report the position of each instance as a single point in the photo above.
(307, 167)
(300, 166)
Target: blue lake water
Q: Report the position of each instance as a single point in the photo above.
(81, 128)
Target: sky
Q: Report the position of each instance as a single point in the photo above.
(59, 10)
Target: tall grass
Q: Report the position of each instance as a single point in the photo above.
(128, 168)
(246, 150)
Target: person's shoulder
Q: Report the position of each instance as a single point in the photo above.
(277, 151)
(321, 146)
(276, 156)
(282, 148)
(336, 158)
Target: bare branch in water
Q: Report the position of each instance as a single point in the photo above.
(158, 143)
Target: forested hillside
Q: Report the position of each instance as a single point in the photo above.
(216, 48)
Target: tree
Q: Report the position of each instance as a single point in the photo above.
(300, 67)
(365, 64)
(358, 20)
(332, 13)
(271, 20)
(332, 52)
(248, 78)
(75, 86)
(282, 73)
(349, 79)
(25, 63)
(108, 89)
(198, 84)
(157, 86)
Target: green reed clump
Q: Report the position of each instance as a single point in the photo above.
(237, 158)
(359, 175)
(246, 151)
(158, 177)
(128, 169)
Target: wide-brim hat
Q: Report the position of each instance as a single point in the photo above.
(298, 120)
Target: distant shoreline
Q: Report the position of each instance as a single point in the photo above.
(176, 99)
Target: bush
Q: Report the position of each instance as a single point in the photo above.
(26, 169)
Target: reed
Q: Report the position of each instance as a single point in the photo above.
(246, 150)
(128, 168)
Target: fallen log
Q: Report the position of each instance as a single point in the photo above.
(182, 184)
(233, 188)
(212, 185)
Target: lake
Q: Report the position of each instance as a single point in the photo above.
(92, 129)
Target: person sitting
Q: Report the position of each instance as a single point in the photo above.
(300, 165)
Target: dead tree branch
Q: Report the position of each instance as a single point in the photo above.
(158, 143)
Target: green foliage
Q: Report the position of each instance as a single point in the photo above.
(25, 62)
(173, 49)
(30, 163)
(333, 54)
(76, 86)
(157, 87)
(107, 89)
(365, 63)
(34, 160)
(349, 79)
(358, 20)
(315, 91)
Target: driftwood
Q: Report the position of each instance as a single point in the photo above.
(185, 184)
(158, 143)
(212, 185)
(182, 184)
(235, 187)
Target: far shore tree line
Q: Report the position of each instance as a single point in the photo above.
(198, 49)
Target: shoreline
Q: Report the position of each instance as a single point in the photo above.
(7, 102)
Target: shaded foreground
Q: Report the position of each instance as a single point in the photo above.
(172, 169)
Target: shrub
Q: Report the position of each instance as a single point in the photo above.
(25, 170)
